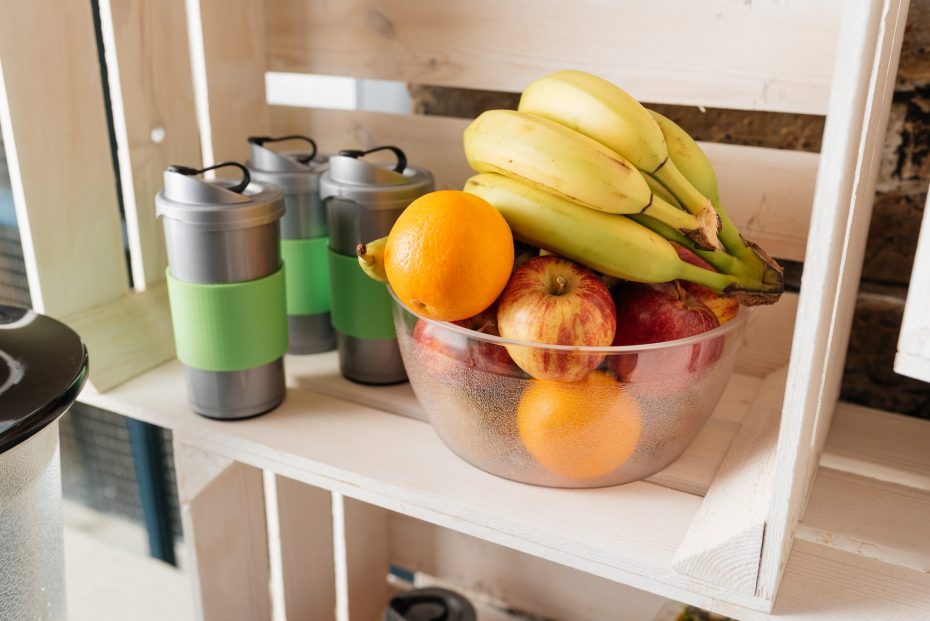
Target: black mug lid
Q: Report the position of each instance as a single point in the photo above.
(432, 604)
(43, 366)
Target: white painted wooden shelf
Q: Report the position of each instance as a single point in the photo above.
(862, 550)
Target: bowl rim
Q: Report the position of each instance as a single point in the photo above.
(736, 323)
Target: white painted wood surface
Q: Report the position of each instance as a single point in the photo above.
(223, 511)
(233, 52)
(359, 452)
(767, 192)
(503, 46)
(913, 357)
(305, 527)
(126, 336)
(58, 154)
(363, 555)
(154, 119)
(723, 545)
(869, 47)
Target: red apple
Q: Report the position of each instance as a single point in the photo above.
(484, 356)
(553, 300)
(656, 313)
(440, 350)
(724, 308)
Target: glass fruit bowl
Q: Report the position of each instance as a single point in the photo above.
(632, 415)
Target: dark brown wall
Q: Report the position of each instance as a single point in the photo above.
(902, 187)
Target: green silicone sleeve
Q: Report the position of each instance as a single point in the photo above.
(307, 275)
(361, 306)
(230, 326)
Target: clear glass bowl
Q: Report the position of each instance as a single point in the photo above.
(632, 416)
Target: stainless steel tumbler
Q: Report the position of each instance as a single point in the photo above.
(363, 200)
(304, 238)
(226, 288)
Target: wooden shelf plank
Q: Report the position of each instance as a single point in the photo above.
(626, 534)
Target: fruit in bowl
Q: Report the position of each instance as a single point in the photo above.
(593, 351)
(552, 300)
(648, 314)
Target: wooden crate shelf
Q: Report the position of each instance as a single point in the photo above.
(627, 534)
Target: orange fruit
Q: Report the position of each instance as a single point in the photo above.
(449, 255)
(579, 430)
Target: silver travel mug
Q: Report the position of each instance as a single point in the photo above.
(304, 238)
(226, 289)
(363, 200)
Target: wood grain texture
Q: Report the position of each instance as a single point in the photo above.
(154, 118)
(870, 43)
(223, 511)
(366, 548)
(126, 336)
(305, 524)
(58, 153)
(234, 53)
(512, 580)
(853, 513)
(879, 445)
(767, 192)
(724, 542)
(913, 358)
(503, 46)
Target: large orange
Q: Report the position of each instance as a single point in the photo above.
(579, 430)
(449, 255)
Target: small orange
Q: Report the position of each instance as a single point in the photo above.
(449, 255)
(579, 430)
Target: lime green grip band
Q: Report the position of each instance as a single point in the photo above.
(229, 326)
(307, 276)
(361, 306)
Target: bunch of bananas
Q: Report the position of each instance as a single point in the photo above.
(584, 170)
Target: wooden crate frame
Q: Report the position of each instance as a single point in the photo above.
(186, 80)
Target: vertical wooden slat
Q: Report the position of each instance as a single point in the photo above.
(234, 61)
(863, 85)
(913, 358)
(154, 117)
(223, 511)
(305, 523)
(362, 558)
(58, 150)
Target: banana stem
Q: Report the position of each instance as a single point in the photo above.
(719, 283)
(676, 183)
(700, 228)
(721, 261)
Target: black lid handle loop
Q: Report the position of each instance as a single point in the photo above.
(303, 159)
(401, 165)
(238, 188)
(406, 603)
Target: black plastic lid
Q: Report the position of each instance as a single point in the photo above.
(43, 366)
(432, 604)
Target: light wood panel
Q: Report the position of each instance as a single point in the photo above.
(363, 557)
(767, 340)
(764, 55)
(913, 357)
(524, 584)
(853, 513)
(223, 511)
(126, 336)
(724, 542)
(154, 118)
(305, 525)
(870, 43)
(879, 445)
(233, 51)
(58, 153)
(767, 192)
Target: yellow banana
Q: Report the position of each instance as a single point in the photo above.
(611, 244)
(605, 112)
(371, 259)
(559, 160)
(754, 266)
